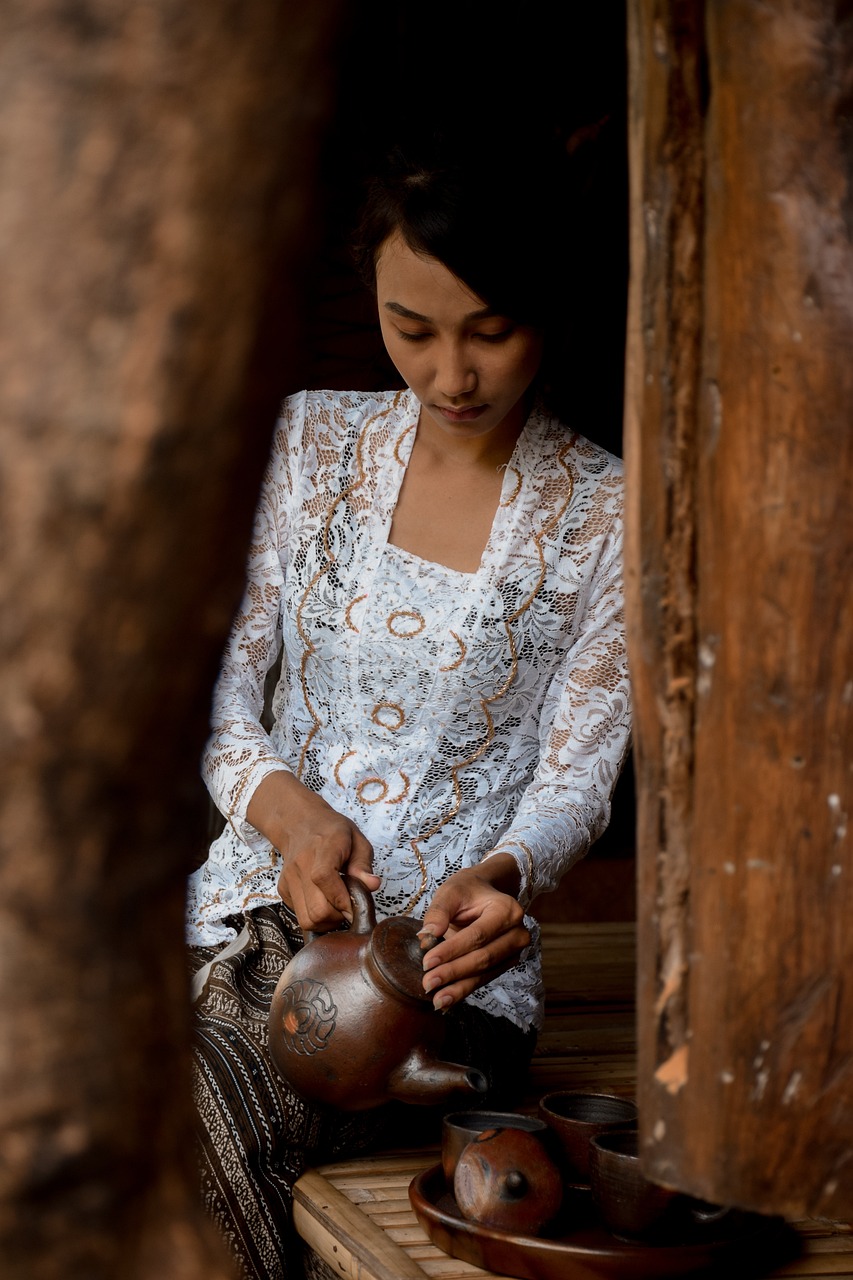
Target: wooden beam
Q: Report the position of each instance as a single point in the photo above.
(740, 458)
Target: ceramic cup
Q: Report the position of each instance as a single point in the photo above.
(576, 1116)
(632, 1207)
(458, 1128)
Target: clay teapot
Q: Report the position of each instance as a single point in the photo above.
(350, 1024)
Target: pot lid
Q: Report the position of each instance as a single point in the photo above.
(398, 956)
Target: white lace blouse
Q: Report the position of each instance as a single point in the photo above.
(449, 715)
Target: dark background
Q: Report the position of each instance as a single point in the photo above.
(485, 68)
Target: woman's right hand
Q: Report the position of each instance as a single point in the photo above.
(317, 845)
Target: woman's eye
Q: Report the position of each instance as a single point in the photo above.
(412, 337)
(500, 336)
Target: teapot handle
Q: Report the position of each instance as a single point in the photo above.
(363, 913)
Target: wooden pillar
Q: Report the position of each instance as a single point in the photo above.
(156, 174)
(738, 447)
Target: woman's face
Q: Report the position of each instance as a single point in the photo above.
(468, 366)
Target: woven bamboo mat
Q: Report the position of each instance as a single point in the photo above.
(355, 1217)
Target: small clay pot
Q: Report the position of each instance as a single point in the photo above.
(458, 1128)
(504, 1179)
(576, 1116)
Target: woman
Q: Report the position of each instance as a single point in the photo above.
(441, 570)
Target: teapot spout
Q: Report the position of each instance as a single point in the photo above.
(425, 1080)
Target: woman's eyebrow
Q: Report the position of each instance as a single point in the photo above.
(483, 314)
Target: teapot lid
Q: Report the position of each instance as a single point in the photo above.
(399, 957)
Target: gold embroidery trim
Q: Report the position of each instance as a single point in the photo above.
(337, 777)
(389, 706)
(370, 782)
(400, 440)
(405, 613)
(348, 613)
(463, 649)
(510, 499)
(421, 890)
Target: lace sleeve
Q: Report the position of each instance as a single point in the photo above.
(584, 738)
(239, 753)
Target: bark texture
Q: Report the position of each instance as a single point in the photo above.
(738, 444)
(156, 168)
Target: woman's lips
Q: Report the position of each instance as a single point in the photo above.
(461, 415)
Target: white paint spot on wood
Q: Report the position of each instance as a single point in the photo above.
(838, 815)
(837, 869)
(759, 864)
(707, 657)
(659, 41)
(791, 1088)
(729, 868)
(727, 1077)
(659, 1131)
(760, 1085)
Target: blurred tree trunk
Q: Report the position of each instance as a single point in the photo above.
(740, 455)
(157, 163)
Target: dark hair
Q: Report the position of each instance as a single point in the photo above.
(493, 211)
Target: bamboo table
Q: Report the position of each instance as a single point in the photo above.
(354, 1216)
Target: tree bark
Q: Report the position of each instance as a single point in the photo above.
(738, 448)
(156, 173)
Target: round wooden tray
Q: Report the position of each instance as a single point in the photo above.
(581, 1249)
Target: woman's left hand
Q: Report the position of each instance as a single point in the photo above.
(482, 926)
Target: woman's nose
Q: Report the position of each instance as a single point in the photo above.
(455, 375)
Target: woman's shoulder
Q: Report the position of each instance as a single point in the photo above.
(338, 412)
(558, 444)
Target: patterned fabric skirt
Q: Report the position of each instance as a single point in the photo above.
(256, 1136)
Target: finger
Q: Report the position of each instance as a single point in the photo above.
(328, 881)
(480, 963)
(439, 913)
(360, 862)
(494, 923)
(320, 896)
(456, 982)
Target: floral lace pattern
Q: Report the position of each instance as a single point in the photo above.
(447, 714)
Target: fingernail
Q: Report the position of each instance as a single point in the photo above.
(431, 983)
(442, 1002)
(347, 915)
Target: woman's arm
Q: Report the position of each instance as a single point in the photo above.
(264, 802)
(317, 844)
